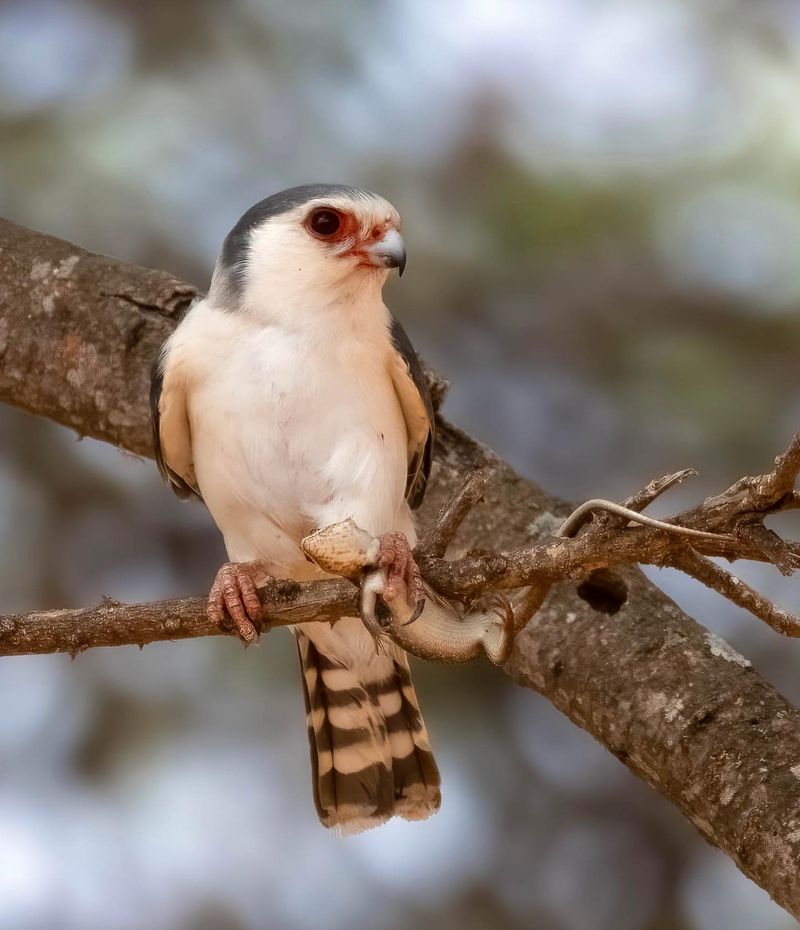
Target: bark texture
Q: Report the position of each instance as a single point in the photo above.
(677, 705)
(79, 333)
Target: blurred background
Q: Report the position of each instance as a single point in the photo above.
(602, 208)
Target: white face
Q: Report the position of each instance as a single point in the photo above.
(326, 246)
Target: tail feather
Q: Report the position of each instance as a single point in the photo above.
(370, 754)
(414, 770)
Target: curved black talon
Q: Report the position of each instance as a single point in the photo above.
(417, 611)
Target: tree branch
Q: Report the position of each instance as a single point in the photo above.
(453, 514)
(114, 624)
(540, 566)
(78, 333)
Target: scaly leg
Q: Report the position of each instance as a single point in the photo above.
(395, 556)
(233, 600)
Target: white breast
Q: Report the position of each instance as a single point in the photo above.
(291, 431)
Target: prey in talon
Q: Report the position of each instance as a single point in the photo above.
(396, 576)
(403, 577)
(291, 399)
(445, 631)
(375, 614)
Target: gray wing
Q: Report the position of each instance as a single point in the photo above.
(415, 401)
(172, 445)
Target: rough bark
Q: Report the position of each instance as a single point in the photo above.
(114, 624)
(79, 332)
(676, 704)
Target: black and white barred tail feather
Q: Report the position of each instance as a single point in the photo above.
(370, 755)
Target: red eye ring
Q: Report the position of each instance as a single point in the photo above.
(324, 222)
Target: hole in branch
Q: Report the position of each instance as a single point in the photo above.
(604, 591)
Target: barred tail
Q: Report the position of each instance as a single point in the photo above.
(370, 755)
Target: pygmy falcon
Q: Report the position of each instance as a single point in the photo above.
(290, 399)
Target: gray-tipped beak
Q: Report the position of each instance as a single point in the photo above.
(389, 252)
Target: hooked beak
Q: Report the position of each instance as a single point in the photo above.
(388, 252)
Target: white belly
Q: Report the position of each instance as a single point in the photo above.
(288, 436)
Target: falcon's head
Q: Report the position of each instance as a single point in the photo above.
(316, 241)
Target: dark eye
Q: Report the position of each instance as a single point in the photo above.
(324, 222)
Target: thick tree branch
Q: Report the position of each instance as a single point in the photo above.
(78, 333)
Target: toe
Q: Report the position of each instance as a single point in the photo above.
(386, 552)
(394, 588)
(232, 598)
(247, 632)
(234, 604)
(241, 623)
(401, 561)
(393, 550)
(235, 608)
(249, 598)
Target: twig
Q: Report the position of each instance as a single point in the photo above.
(451, 516)
(655, 488)
(644, 497)
(114, 624)
(736, 590)
(750, 499)
(766, 542)
(784, 475)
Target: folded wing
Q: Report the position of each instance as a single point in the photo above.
(415, 402)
